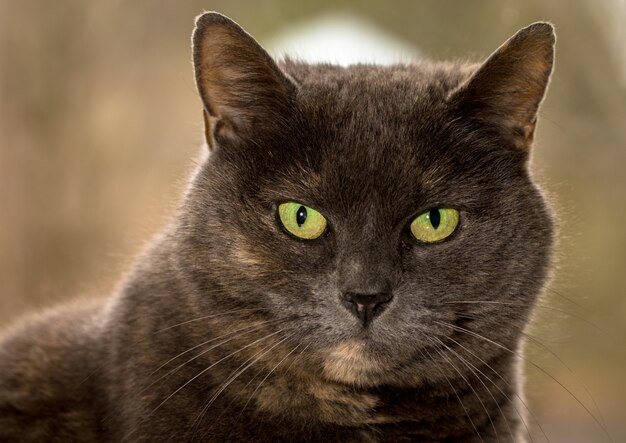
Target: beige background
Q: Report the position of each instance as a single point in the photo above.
(100, 125)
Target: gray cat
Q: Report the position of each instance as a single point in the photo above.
(355, 260)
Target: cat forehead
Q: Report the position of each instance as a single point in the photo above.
(371, 107)
(365, 114)
(412, 81)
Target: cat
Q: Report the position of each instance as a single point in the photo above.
(355, 259)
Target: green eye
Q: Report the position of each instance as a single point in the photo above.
(301, 221)
(435, 224)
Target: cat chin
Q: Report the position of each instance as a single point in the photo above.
(350, 363)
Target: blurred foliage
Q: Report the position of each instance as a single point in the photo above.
(100, 125)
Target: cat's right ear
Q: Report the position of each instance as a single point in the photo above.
(243, 91)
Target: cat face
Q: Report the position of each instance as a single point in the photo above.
(359, 153)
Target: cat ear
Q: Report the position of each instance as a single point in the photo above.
(509, 86)
(242, 88)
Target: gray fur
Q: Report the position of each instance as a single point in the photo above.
(370, 147)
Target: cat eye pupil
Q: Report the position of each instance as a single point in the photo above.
(301, 216)
(435, 217)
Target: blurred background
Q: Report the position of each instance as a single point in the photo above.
(100, 126)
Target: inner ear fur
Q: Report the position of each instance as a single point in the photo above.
(507, 89)
(242, 89)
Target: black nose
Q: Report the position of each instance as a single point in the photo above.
(365, 306)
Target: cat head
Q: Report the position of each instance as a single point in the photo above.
(381, 210)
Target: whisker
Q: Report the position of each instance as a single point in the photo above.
(493, 426)
(177, 368)
(238, 372)
(564, 297)
(453, 390)
(248, 384)
(471, 368)
(203, 372)
(497, 387)
(566, 366)
(520, 415)
(537, 342)
(213, 365)
(298, 356)
(268, 374)
(538, 305)
(472, 333)
(204, 317)
(253, 327)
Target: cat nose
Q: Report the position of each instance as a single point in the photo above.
(366, 306)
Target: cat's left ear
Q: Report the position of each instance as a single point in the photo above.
(507, 89)
(243, 91)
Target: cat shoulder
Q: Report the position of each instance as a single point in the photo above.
(45, 364)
